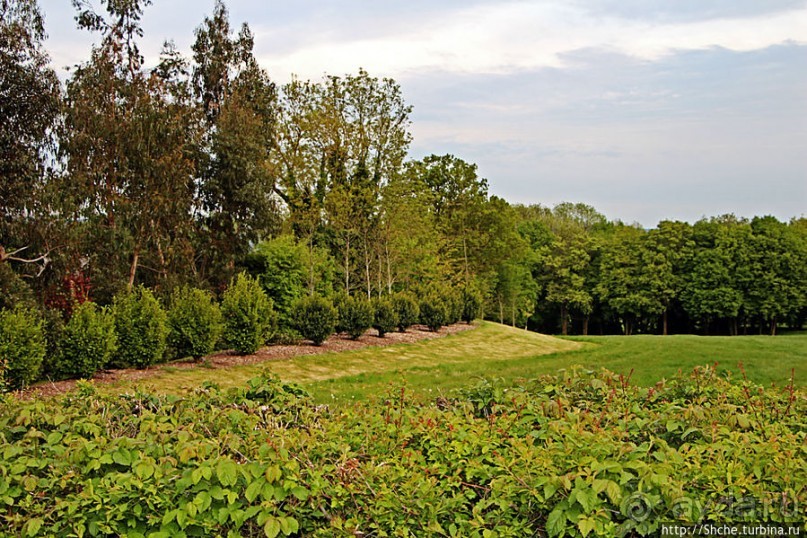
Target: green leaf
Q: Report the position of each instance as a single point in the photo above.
(288, 525)
(33, 526)
(300, 493)
(227, 472)
(586, 525)
(556, 522)
(253, 490)
(144, 470)
(272, 527)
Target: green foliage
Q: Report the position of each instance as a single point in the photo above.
(87, 343)
(434, 312)
(314, 318)
(194, 323)
(22, 348)
(454, 305)
(577, 454)
(407, 310)
(281, 268)
(471, 304)
(15, 290)
(355, 316)
(385, 318)
(141, 328)
(249, 318)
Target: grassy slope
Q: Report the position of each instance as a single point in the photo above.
(431, 367)
(470, 350)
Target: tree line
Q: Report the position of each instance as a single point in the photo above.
(191, 171)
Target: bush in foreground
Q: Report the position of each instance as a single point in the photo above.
(22, 348)
(140, 325)
(578, 455)
(249, 319)
(194, 323)
(87, 343)
(314, 318)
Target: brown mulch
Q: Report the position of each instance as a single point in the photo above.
(227, 359)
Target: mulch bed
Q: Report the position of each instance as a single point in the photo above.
(228, 359)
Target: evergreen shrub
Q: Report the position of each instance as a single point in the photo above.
(355, 316)
(249, 318)
(141, 327)
(314, 318)
(88, 342)
(22, 348)
(385, 316)
(407, 310)
(194, 323)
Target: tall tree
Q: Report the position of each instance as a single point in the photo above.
(128, 142)
(239, 103)
(29, 107)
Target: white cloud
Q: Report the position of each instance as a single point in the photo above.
(508, 37)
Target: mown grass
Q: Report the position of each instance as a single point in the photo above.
(430, 368)
(377, 366)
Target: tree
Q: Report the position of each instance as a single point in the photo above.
(667, 250)
(128, 137)
(457, 197)
(624, 286)
(239, 103)
(565, 267)
(713, 287)
(29, 108)
(776, 262)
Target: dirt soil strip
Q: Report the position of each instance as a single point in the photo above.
(227, 359)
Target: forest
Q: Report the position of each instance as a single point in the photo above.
(194, 170)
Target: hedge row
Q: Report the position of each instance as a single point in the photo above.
(137, 332)
(581, 455)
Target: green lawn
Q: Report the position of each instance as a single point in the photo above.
(430, 368)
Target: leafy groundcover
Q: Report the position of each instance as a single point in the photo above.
(578, 454)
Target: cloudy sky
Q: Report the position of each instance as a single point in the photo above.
(645, 109)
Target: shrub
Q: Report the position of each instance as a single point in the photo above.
(386, 318)
(355, 316)
(141, 328)
(314, 317)
(471, 304)
(22, 347)
(338, 300)
(249, 318)
(406, 309)
(454, 306)
(88, 342)
(433, 312)
(194, 323)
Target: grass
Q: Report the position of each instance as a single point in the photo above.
(368, 370)
(429, 368)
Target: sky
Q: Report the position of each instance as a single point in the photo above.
(646, 109)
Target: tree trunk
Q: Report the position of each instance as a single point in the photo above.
(347, 264)
(585, 326)
(564, 321)
(773, 326)
(133, 269)
(501, 311)
(666, 316)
